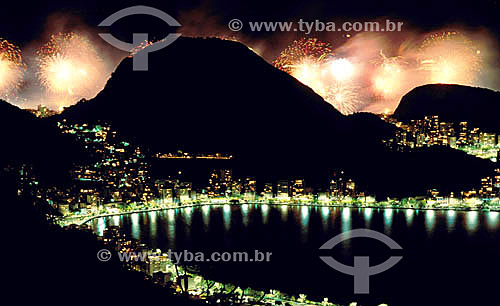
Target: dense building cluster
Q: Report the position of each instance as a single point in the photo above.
(432, 132)
(116, 174)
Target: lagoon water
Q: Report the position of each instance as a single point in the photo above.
(449, 257)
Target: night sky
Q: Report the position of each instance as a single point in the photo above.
(30, 26)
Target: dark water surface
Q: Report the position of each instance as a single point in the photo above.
(449, 258)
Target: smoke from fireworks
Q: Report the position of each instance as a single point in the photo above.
(365, 71)
(11, 69)
(450, 58)
(70, 67)
(312, 63)
(389, 76)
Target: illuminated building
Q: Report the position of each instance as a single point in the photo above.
(250, 188)
(268, 190)
(432, 129)
(463, 135)
(237, 187)
(337, 184)
(183, 192)
(220, 183)
(452, 142)
(496, 181)
(486, 190)
(282, 189)
(214, 187)
(474, 137)
(298, 188)
(487, 139)
(226, 180)
(350, 188)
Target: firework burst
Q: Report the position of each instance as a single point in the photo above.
(389, 75)
(450, 58)
(311, 62)
(305, 49)
(70, 66)
(343, 96)
(11, 69)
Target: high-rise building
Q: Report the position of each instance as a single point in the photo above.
(350, 188)
(486, 187)
(268, 190)
(214, 186)
(337, 184)
(282, 190)
(237, 187)
(463, 134)
(250, 185)
(226, 180)
(432, 129)
(298, 188)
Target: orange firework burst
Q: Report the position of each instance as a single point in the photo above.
(311, 62)
(305, 49)
(11, 68)
(70, 66)
(451, 58)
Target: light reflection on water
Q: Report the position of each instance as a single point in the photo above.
(171, 227)
(492, 219)
(152, 222)
(325, 213)
(101, 225)
(338, 219)
(227, 216)
(471, 221)
(205, 212)
(451, 219)
(346, 219)
(368, 212)
(304, 222)
(116, 220)
(265, 213)
(388, 213)
(409, 216)
(284, 213)
(244, 214)
(430, 221)
(136, 228)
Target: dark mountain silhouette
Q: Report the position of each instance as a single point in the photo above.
(208, 95)
(27, 139)
(453, 103)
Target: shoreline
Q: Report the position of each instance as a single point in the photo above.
(88, 219)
